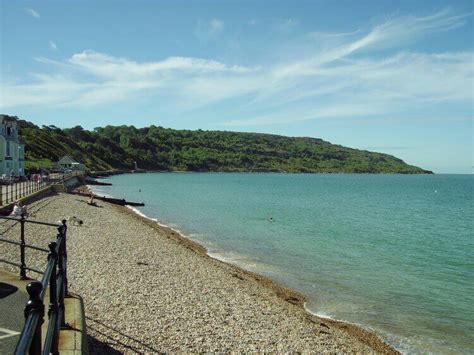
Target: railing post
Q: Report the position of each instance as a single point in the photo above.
(62, 270)
(53, 296)
(35, 305)
(22, 248)
(64, 245)
(1, 195)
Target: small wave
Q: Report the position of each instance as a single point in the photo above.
(193, 236)
(318, 314)
(227, 257)
(141, 214)
(98, 192)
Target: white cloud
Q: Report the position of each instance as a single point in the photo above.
(112, 79)
(32, 12)
(108, 66)
(53, 46)
(328, 83)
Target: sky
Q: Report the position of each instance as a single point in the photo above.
(389, 76)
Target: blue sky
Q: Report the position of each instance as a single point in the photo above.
(388, 76)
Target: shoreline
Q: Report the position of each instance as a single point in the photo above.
(147, 288)
(368, 337)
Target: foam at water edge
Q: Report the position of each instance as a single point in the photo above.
(98, 192)
(141, 214)
(384, 337)
(318, 314)
(214, 255)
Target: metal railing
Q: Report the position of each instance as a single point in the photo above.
(10, 192)
(54, 277)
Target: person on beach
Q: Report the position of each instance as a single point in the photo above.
(91, 201)
(19, 210)
(24, 210)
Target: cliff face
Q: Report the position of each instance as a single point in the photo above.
(158, 148)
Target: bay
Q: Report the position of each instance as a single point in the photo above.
(392, 253)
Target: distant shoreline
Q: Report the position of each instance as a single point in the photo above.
(106, 173)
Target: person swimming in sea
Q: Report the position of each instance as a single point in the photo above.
(270, 219)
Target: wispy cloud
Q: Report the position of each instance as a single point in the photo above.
(215, 26)
(113, 67)
(32, 12)
(288, 24)
(206, 30)
(53, 46)
(111, 79)
(329, 82)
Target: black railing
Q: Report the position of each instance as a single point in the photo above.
(54, 277)
(11, 191)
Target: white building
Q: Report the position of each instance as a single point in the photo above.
(66, 162)
(12, 152)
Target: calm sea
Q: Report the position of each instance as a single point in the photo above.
(393, 253)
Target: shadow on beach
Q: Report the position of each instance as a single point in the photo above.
(97, 346)
(89, 204)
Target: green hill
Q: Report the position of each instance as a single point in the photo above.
(158, 148)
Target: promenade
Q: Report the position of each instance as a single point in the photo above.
(23, 258)
(13, 298)
(10, 192)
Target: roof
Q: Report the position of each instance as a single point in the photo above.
(67, 160)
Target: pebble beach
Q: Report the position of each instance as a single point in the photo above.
(147, 289)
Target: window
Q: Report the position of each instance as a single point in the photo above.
(8, 148)
(9, 131)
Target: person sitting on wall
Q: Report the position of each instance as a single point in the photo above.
(19, 210)
(24, 210)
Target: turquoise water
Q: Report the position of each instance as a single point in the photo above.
(393, 253)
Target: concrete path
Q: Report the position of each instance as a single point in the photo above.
(13, 298)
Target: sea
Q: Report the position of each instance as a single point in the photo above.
(391, 253)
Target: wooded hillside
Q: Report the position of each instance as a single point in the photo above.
(158, 148)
